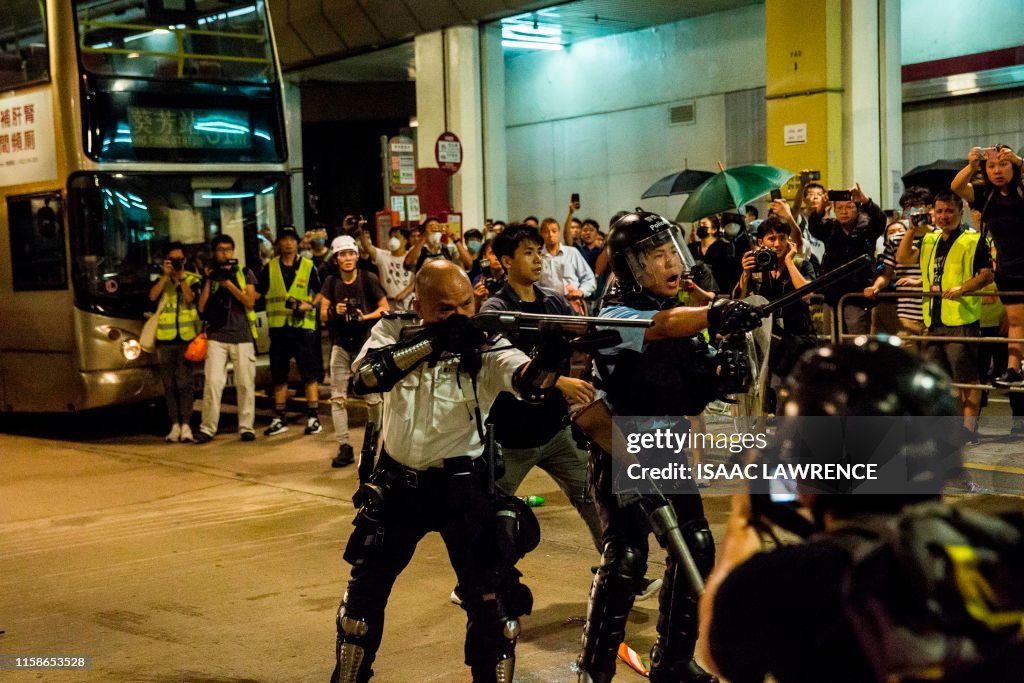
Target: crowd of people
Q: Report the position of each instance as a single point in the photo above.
(452, 398)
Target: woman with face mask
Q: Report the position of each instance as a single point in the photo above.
(991, 183)
(714, 252)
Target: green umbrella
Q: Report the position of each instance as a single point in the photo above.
(732, 188)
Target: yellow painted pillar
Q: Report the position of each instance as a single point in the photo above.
(804, 89)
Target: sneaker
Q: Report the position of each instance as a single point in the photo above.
(1018, 427)
(312, 426)
(248, 436)
(174, 435)
(344, 457)
(455, 597)
(970, 437)
(203, 437)
(1010, 378)
(276, 427)
(649, 589)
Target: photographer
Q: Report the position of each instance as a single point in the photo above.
(491, 277)
(854, 604)
(350, 304)
(226, 304)
(291, 287)
(177, 325)
(955, 263)
(857, 224)
(776, 268)
(916, 203)
(999, 195)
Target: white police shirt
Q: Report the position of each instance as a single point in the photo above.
(429, 416)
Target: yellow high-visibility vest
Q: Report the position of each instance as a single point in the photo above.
(957, 269)
(178, 319)
(278, 315)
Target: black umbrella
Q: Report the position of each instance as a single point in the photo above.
(680, 182)
(936, 176)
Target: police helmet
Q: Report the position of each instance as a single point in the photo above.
(898, 410)
(634, 236)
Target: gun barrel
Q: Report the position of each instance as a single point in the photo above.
(516, 321)
(819, 283)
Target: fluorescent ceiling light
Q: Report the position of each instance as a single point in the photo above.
(527, 31)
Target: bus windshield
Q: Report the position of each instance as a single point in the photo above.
(204, 40)
(121, 225)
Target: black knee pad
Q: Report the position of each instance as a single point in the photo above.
(701, 543)
(623, 562)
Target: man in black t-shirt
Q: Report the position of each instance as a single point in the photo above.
(350, 305)
(547, 442)
(789, 272)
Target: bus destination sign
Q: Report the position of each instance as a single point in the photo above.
(164, 128)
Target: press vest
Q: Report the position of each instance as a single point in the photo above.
(957, 269)
(250, 315)
(178, 321)
(278, 315)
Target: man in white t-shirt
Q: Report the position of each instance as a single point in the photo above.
(396, 279)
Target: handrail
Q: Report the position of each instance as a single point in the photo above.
(930, 295)
(179, 55)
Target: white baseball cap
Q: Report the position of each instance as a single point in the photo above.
(343, 243)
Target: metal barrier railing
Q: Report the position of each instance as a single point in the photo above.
(843, 335)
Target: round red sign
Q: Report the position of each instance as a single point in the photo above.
(448, 152)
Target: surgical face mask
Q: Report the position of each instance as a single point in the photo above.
(473, 246)
(702, 231)
(394, 243)
(434, 238)
(318, 243)
(732, 230)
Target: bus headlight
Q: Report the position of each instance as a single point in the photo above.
(131, 349)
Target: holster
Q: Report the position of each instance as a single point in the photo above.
(596, 422)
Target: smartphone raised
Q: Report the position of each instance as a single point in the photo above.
(840, 196)
(776, 194)
(575, 199)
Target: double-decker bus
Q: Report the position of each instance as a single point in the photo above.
(124, 125)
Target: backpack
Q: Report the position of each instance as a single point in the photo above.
(936, 593)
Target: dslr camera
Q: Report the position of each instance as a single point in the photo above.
(765, 259)
(178, 264)
(351, 310)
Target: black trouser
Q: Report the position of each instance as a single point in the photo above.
(383, 542)
(623, 565)
(176, 373)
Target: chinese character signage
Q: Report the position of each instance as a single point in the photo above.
(188, 128)
(26, 139)
(402, 165)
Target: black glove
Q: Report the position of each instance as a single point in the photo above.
(456, 334)
(554, 348)
(726, 316)
(733, 370)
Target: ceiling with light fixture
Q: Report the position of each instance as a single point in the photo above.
(365, 40)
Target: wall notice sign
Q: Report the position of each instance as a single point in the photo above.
(398, 204)
(27, 144)
(413, 203)
(448, 152)
(795, 134)
(402, 165)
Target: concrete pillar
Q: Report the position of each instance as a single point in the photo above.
(448, 98)
(834, 67)
(492, 81)
(293, 138)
